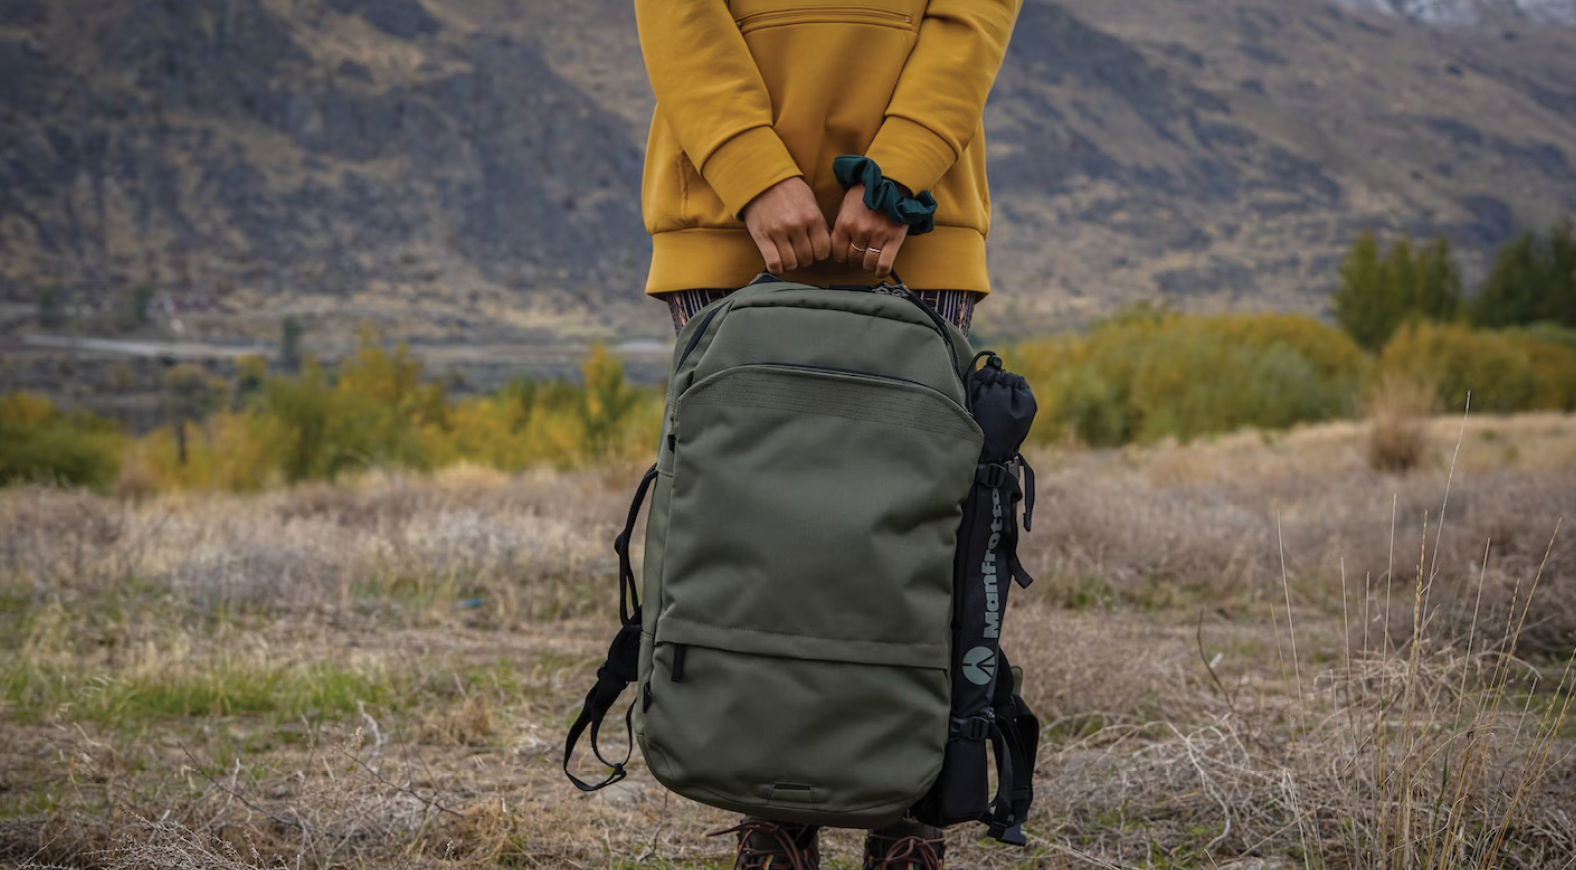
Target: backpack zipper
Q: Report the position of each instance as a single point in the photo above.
(856, 373)
(705, 323)
(676, 671)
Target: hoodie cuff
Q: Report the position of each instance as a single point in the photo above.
(746, 165)
(910, 154)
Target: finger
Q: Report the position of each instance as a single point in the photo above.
(768, 249)
(820, 240)
(786, 252)
(872, 255)
(804, 252)
(859, 236)
(857, 248)
(888, 256)
(840, 243)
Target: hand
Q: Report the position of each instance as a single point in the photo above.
(859, 227)
(788, 227)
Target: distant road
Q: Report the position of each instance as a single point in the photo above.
(153, 349)
(453, 354)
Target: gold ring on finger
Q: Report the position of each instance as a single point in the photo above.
(857, 248)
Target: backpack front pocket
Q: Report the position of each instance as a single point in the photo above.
(817, 504)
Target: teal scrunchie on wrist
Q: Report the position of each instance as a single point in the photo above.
(918, 211)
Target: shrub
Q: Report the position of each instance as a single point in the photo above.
(1146, 376)
(228, 450)
(380, 412)
(1333, 354)
(1553, 374)
(531, 422)
(1191, 384)
(608, 402)
(371, 416)
(1504, 371)
(525, 424)
(39, 443)
(1548, 332)
(302, 423)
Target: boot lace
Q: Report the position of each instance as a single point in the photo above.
(909, 853)
(780, 852)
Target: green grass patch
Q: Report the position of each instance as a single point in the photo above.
(24, 804)
(33, 693)
(1080, 592)
(14, 599)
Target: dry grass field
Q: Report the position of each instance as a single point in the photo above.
(1251, 652)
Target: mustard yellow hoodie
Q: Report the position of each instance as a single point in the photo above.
(753, 92)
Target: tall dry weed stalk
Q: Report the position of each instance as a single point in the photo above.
(1457, 742)
(1458, 745)
(1419, 754)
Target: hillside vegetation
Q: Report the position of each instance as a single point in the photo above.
(1143, 376)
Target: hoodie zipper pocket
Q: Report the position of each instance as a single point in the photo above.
(826, 15)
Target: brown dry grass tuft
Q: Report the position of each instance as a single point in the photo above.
(1397, 408)
(470, 724)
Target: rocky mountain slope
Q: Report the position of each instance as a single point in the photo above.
(470, 168)
(1470, 12)
(332, 159)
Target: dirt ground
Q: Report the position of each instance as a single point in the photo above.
(1250, 652)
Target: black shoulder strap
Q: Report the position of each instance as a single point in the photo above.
(622, 665)
(1015, 736)
(628, 590)
(612, 678)
(1028, 493)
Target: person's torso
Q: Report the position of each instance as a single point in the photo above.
(831, 68)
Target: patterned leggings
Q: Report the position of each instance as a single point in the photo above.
(956, 306)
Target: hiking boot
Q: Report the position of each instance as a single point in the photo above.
(906, 846)
(765, 845)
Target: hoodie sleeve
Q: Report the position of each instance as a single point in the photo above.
(713, 96)
(935, 112)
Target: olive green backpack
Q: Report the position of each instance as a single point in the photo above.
(793, 644)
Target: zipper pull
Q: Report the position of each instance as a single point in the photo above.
(676, 670)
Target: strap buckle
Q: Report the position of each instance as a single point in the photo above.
(974, 729)
(992, 475)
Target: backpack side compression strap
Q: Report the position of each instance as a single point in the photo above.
(1015, 741)
(623, 659)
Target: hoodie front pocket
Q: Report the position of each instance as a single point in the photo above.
(826, 15)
